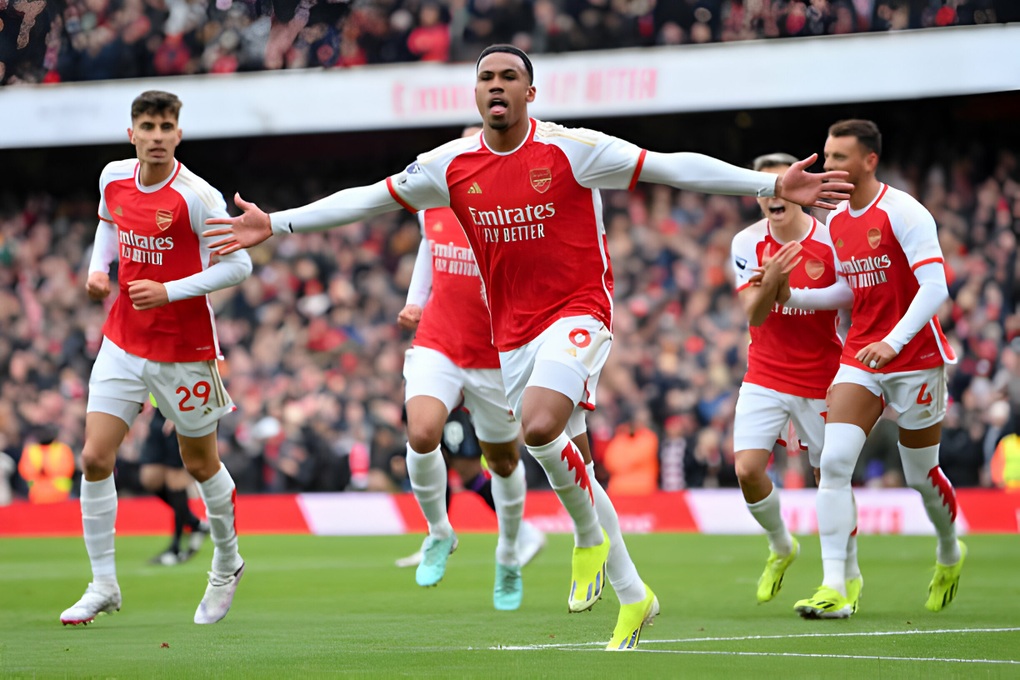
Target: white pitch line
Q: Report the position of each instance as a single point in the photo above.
(744, 638)
(862, 657)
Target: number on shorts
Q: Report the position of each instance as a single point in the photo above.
(923, 395)
(200, 390)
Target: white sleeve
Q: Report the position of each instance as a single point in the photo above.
(696, 172)
(932, 293)
(743, 258)
(343, 207)
(915, 230)
(104, 248)
(420, 287)
(837, 296)
(228, 271)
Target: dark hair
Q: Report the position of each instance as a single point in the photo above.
(509, 49)
(865, 131)
(772, 160)
(155, 102)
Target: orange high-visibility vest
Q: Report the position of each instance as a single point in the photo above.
(1005, 464)
(48, 469)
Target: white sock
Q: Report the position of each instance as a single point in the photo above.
(766, 513)
(508, 494)
(564, 466)
(427, 472)
(98, 517)
(853, 569)
(837, 515)
(620, 568)
(218, 493)
(921, 471)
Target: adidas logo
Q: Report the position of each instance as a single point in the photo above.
(118, 211)
(475, 189)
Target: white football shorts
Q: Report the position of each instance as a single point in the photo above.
(919, 397)
(566, 357)
(430, 373)
(762, 414)
(191, 394)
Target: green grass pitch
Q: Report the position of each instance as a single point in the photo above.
(328, 607)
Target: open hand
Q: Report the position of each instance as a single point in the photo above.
(813, 189)
(248, 229)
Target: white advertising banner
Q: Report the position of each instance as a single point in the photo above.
(879, 511)
(755, 74)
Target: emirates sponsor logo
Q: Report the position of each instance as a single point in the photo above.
(866, 264)
(164, 218)
(874, 238)
(143, 249)
(541, 179)
(501, 216)
(814, 269)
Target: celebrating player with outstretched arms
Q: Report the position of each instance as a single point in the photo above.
(527, 194)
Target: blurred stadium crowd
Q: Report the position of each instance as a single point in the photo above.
(314, 355)
(77, 40)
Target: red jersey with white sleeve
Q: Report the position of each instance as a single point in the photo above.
(878, 249)
(455, 320)
(794, 351)
(158, 233)
(533, 217)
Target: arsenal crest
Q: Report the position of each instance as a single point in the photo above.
(874, 238)
(164, 218)
(541, 179)
(814, 269)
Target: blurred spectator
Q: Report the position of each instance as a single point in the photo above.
(7, 468)
(632, 457)
(77, 40)
(676, 453)
(1005, 463)
(879, 464)
(960, 455)
(47, 466)
(314, 360)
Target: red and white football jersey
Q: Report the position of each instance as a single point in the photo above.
(533, 217)
(878, 250)
(455, 320)
(795, 351)
(158, 230)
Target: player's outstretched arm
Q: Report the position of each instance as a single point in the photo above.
(697, 172)
(813, 189)
(254, 226)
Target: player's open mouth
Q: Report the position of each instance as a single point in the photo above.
(777, 210)
(497, 107)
